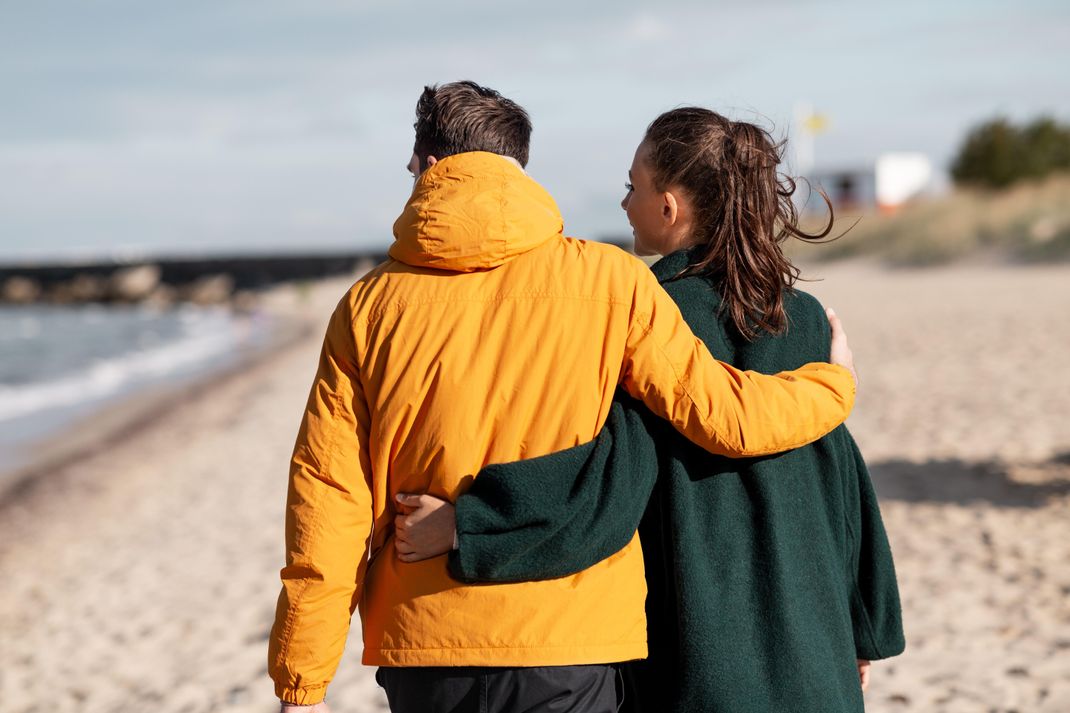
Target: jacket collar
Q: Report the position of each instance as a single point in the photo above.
(668, 267)
(473, 211)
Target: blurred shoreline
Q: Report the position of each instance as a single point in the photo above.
(93, 428)
(76, 336)
(41, 444)
(62, 364)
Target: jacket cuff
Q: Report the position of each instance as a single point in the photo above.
(303, 696)
(458, 559)
(886, 648)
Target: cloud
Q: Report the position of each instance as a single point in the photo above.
(255, 125)
(645, 27)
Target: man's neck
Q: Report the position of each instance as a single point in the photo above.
(513, 161)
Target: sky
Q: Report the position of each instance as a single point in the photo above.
(140, 127)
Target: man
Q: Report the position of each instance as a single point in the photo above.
(489, 337)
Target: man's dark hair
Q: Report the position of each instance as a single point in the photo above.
(463, 116)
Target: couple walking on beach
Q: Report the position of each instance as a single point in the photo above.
(502, 414)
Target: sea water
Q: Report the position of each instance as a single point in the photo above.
(59, 363)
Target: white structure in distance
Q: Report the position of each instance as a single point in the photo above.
(894, 179)
(900, 177)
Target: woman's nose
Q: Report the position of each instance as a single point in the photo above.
(624, 202)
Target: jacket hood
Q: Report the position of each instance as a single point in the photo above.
(473, 211)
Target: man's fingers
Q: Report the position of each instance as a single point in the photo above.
(839, 349)
(839, 334)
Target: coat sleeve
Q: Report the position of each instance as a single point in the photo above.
(718, 407)
(328, 524)
(876, 616)
(561, 513)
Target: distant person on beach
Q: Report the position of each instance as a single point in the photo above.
(771, 580)
(489, 337)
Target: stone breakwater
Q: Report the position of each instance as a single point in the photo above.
(209, 280)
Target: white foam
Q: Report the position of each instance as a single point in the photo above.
(108, 377)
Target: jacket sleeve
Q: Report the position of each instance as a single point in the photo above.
(561, 513)
(328, 524)
(876, 616)
(718, 407)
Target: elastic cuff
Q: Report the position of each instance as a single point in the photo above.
(303, 696)
(850, 375)
(457, 567)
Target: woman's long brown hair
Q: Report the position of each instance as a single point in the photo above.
(743, 210)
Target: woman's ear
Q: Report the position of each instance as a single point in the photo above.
(670, 209)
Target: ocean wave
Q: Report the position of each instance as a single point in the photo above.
(111, 376)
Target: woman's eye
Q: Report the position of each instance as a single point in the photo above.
(629, 187)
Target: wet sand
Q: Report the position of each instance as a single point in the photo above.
(141, 574)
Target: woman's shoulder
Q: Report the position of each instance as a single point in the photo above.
(807, 333)
(804, 307)
(805, 338)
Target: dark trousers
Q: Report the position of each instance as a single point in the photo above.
(543, 689)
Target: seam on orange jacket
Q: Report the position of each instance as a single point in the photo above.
(376, 315)
(623, 642)
(306, 538)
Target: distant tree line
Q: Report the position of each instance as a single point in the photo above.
(999, 153)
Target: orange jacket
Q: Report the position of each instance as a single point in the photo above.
(490, 337)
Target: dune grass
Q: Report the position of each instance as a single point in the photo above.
(1029, 223)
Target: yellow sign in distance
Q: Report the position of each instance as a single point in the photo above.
(815, 124)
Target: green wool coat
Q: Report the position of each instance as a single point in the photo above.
(767, 577)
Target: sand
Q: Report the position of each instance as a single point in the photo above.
(964, 418)
(142, 575)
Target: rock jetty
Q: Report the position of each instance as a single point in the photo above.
(202, 281)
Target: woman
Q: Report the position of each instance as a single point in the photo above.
(771, 583)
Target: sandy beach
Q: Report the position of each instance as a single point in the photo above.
(140, 570)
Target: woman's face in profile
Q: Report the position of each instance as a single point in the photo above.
(641, 203)
(648, 209)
